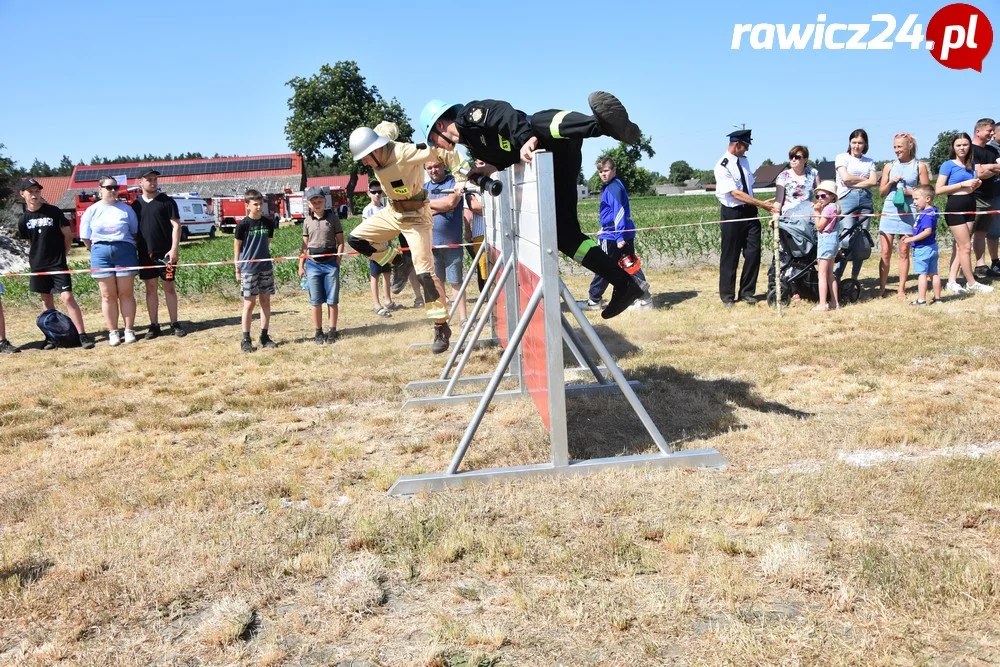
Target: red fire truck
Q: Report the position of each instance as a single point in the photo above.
(230, 210)
(295, 207)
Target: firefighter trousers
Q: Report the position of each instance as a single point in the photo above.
(562, 134)
(416, 227)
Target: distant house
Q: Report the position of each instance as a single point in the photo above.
(582, 192)
(669, 189)
(765, 175)
(53, 188)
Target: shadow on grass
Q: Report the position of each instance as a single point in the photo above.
(668, 299)
(684, 408)
(25, 574)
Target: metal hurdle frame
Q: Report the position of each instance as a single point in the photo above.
(529, 197)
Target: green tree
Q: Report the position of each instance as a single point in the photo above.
(8, 176)
(65, 166)
(326, 107)
(767, 163)
(706, 176)
(941, 150)
(638, 180)
(658, 178)
(39, 168)
(680, 171)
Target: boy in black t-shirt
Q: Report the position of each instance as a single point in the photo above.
(252, 241)
(158, 247)
(49, 232)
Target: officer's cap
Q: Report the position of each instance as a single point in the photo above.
(743, 136)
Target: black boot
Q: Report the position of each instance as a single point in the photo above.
(613, 118)
(442, 337)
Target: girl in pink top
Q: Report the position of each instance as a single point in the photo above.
(827, 243)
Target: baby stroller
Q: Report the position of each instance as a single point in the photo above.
(797, 251)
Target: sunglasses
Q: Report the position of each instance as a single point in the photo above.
(110, 187)
(822, 195)
(796, 157)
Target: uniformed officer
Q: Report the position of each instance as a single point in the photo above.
(399, 167)
(500, 135)
(740, 225)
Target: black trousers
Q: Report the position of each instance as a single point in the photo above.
(739, 237)
(567, 158)
(564, 139)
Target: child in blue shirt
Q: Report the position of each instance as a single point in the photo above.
(923, 241)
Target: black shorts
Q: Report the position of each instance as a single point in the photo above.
(158, 266)
(960, 210)
(49, 284)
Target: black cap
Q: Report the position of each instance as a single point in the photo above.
(743, 136)
(27, 183)
(149, 172)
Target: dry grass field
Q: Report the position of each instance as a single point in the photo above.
(178, 503)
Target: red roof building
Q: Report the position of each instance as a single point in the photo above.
(209, 177)
(53, 188)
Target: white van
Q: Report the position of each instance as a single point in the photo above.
(195, 216)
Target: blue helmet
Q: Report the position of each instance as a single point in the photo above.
(432, 111)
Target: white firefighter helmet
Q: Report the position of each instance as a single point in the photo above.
(364, 140)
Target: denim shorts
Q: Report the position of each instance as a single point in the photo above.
(827, 244)
(108, 255)
(324, 282)
(448, 265)
(925, 259)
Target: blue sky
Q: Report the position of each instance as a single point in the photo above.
(210, 76)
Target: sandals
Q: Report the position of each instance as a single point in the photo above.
(382, 311)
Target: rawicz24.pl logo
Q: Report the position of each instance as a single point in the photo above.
(959, 36)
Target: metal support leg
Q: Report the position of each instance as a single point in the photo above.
(576, 345)
(476, 310)
(465, 283)
(484, 403)
(615, 371)
(494, 296)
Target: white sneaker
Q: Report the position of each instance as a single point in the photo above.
(979, 287)
(114, 339)
(641, 304)
(129, 336)
(593, 305)
(955, 287)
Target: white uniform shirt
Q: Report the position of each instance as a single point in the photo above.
(727, 179)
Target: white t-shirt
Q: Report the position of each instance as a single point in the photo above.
(862, 166)
(370, 210)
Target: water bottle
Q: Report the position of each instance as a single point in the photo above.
(304, 283)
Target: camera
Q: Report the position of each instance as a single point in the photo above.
(487, 184)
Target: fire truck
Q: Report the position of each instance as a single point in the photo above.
(295, 207)
(194, 214)
(230, 210)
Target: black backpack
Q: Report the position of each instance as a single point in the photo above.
(58, 329)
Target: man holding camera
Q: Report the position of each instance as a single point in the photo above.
(500, 135)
